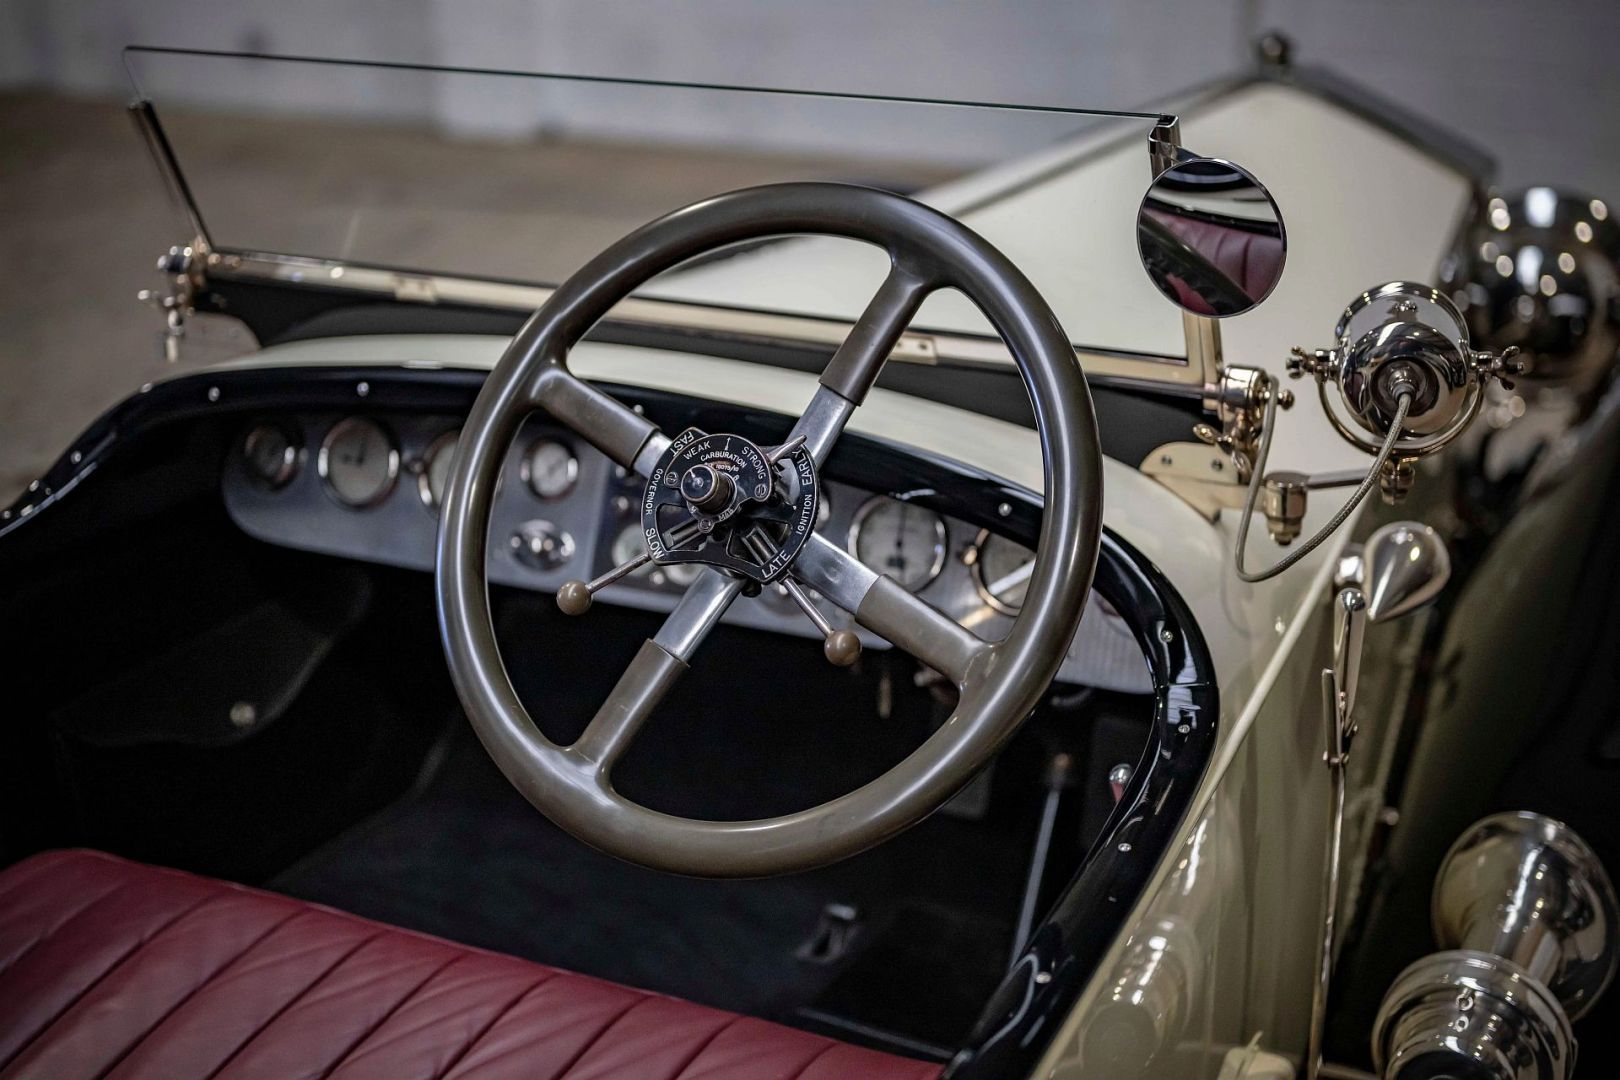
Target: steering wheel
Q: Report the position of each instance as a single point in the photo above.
(745, 513)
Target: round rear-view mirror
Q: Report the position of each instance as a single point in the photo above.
(1211, 238)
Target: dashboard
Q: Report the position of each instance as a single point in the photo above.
(368, 486)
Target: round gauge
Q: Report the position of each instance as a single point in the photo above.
(550, 469)
(679, 575)
(271, 454)
(631, 541)
(437, 461)
(1001, 570)
(359, 462)
(627, 545)
(905, 542)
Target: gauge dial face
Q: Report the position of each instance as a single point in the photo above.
(905, 542)
(359, 462)
(631, 541)
(627, 545)
(1001, 571)
(437, 461)
(550, 469)
(271, 454)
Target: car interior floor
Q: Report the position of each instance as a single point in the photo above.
(898, 947)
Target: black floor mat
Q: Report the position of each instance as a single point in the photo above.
(468, 859)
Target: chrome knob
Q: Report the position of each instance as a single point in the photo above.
(1404, 566)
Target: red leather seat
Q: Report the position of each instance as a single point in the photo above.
(109, 968)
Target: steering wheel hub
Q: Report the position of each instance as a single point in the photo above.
(722, 501)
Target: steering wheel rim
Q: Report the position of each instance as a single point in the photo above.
(1000, 684)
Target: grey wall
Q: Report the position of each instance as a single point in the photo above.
(1534, 83)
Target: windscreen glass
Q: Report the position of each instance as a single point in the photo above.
(523, 177)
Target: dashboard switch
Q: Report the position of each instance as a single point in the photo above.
(541, 545)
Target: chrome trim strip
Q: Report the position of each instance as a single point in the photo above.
(1142, 371)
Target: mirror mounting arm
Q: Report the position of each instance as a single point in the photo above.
(1164, 144)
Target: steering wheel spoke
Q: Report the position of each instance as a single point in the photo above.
(659, 664)
(624, 435)
(855, 366)
(884, 607)
(639, 690)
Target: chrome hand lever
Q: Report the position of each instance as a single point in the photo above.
(1403, 566)
(575, 596)
(842, 647)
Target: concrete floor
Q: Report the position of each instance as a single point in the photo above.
(83, 217)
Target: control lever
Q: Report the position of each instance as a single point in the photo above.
(841, 647)
(1403, 566)
(575, 596)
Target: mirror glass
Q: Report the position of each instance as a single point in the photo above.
(1210, 237)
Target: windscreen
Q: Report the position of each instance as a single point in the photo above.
(522, 177)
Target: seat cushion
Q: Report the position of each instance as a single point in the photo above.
(110, 968)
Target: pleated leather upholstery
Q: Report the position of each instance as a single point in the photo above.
(109, 968)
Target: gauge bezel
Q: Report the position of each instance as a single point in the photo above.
(323, 462)
(941, 537)
(290, 457)
(424, 487)
(976, 572)
(526, 472)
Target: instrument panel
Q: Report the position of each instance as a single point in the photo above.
(369, 487)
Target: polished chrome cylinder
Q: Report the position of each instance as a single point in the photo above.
(1527, 915)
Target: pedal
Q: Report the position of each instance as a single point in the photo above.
(835, 932)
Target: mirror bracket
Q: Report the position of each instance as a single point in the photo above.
(1237, 399)
(1164, 144)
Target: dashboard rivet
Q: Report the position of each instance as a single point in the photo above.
(1005, 509)
(1183, 729)
(213, 393)
(1043, 977)
(76, 457)
(244, 715)
(363, 389)
(1167, 635)
(1124, 847)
